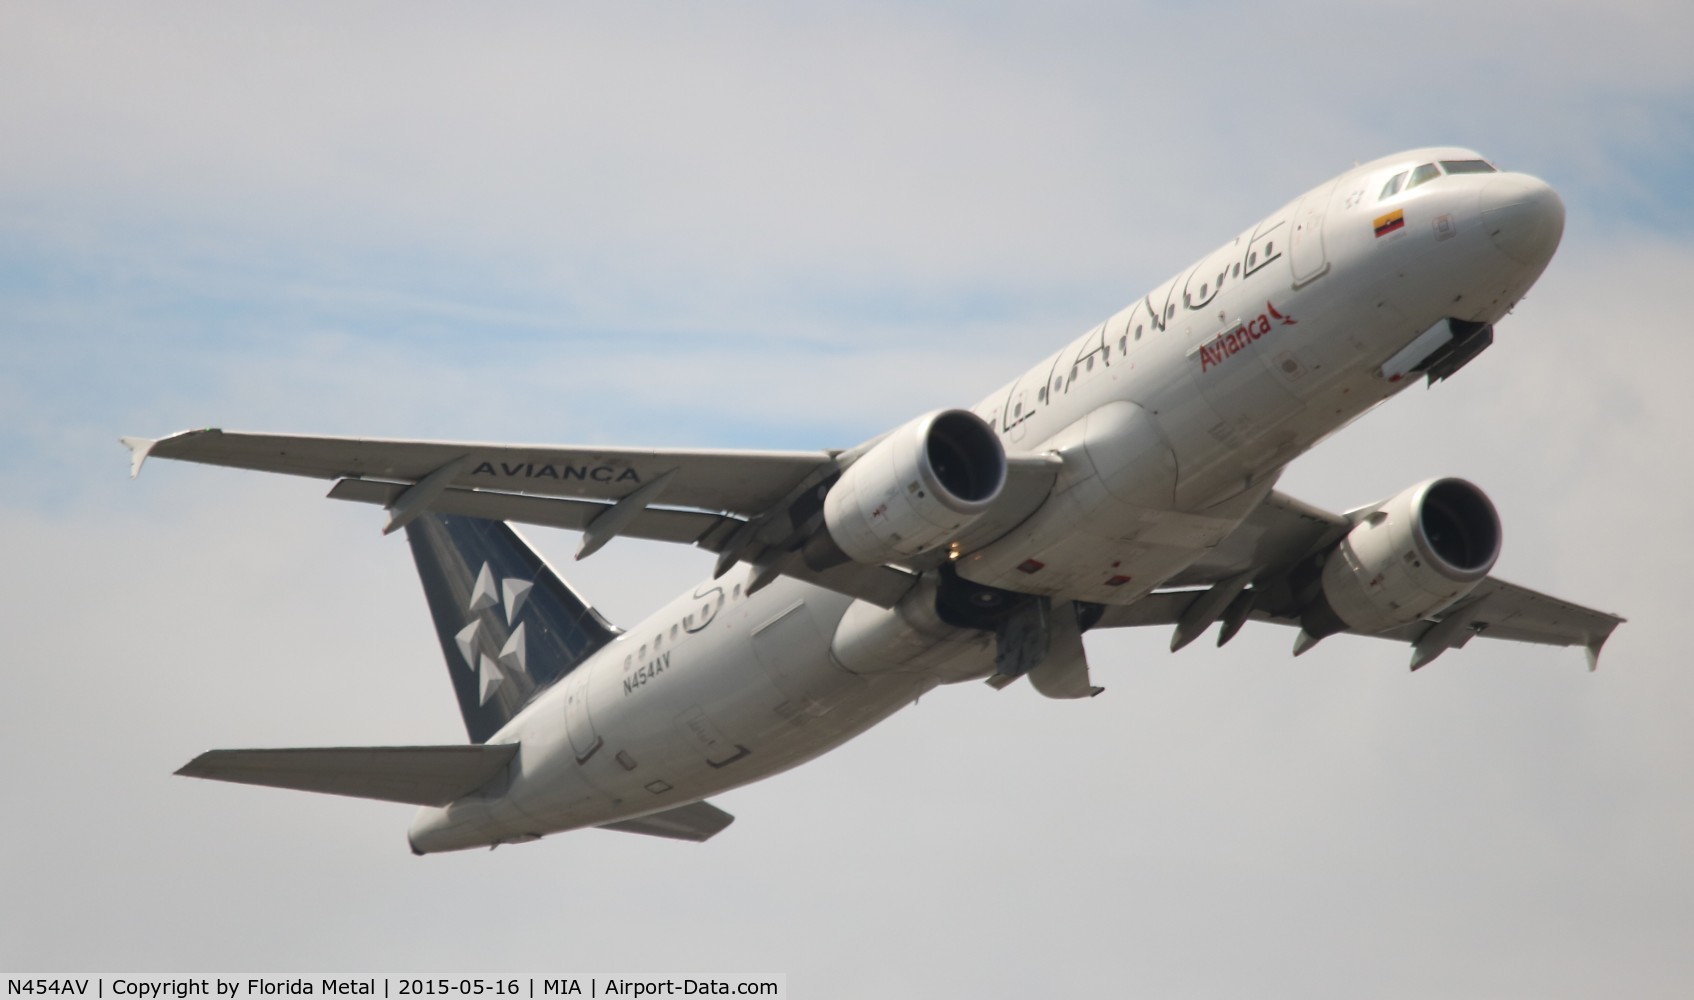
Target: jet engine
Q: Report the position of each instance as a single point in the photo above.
(912, 491)
(1414, 555)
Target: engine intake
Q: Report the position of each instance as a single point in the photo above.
(912, 491)
(1414, 555)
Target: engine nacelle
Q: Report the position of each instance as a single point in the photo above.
(913, 490)
(1413, 556)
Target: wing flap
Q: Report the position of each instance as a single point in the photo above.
(659, 524)
(697, 821)
(744, 482)
(423, 776)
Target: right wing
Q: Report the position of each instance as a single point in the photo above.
(881, 585)
(741, 482)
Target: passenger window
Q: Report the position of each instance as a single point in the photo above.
(1423, 174)
(1138, 333)
(1017, 411)
(1123, 345)
(673, 633)
(1042, 395)
(1467, 167)
(738, 591)
(1392, 188)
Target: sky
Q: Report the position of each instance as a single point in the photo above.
(754, 225)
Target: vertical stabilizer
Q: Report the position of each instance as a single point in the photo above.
(508, 625)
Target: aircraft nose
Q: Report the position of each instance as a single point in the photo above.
(1524, 216)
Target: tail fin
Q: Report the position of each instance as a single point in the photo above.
(508, 625)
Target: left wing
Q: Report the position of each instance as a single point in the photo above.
(1495, 610)
(1243, 578)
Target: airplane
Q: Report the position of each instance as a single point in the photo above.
(1126, 479)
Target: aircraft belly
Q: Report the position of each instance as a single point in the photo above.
(732, 707)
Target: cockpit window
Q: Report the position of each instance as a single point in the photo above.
(1427, 172)
(1467, 166)
(1392, 188)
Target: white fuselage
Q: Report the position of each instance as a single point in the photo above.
(1173, 419)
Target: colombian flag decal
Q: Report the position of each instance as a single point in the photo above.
(1392, 222)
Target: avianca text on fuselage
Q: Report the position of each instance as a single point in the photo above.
(1239, 338)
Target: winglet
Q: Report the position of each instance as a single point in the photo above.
(1593, 646)
(139, 449)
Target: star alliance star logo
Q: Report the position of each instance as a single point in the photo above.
(491, 670)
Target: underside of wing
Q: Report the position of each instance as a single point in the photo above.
(1412, 568)
(1278, 533)
(744, 482)
(880, 584)
(1496, 610)
(759, 508)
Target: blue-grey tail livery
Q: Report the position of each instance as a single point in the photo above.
(508, 625)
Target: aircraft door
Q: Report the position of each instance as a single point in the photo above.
(1305, 245)
(579, 724)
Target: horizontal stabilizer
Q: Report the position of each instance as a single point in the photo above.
(697, 821)
(424, 776)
